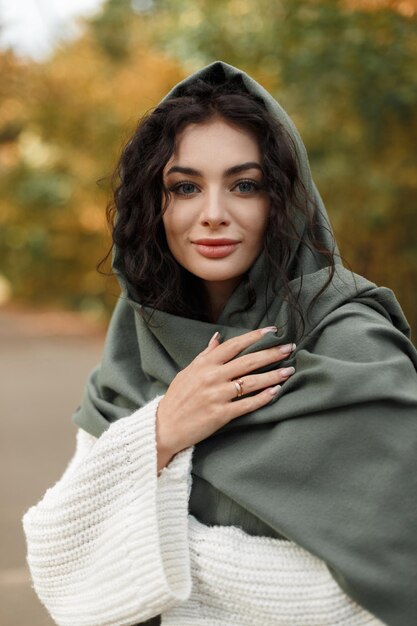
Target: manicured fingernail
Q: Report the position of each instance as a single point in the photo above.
(274, 390)
(289, 347)
(215, 336)
(269, 329)
(287, 371)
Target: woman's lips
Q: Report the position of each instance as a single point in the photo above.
(215, 248)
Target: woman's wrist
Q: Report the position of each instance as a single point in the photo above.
(163, 458)
(164, 454)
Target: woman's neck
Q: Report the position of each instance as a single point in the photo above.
(218, 293)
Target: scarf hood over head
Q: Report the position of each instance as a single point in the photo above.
(331, 464)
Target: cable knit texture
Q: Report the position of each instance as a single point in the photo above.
(112, 544)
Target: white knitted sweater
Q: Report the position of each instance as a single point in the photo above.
(113, 544)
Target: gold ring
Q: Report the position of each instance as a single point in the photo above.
(239, 387)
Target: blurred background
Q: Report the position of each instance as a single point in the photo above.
(75, 78)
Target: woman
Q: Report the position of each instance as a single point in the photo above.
(246, 450)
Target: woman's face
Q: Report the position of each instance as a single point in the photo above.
(217, 214)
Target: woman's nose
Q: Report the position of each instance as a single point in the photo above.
(214, 210)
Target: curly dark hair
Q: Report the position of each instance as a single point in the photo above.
(139, 199)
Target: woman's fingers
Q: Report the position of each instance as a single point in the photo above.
(230, 348)
(250, 362)
(251, 403)
(255, 382)
(215, 340)
(213, 343)
(199, 399)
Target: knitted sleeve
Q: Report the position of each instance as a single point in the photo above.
(113, 544)
(244, 580)
(102, 548)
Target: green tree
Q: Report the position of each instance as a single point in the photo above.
(63, 123)
(347, 77)
(345, 74)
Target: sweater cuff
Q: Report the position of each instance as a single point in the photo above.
(168, 495)
(95, 549)
(178, 469)
(173, 490)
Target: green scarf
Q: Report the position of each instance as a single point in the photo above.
(331, 464)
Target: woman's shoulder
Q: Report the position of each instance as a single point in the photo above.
(359, 340)
(362, 315)
(351, 311)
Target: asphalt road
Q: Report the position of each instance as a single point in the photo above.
(44, 361)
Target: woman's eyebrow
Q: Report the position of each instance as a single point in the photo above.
(189, 171)
(235, 169)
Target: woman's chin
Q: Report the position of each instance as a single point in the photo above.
(219, 277)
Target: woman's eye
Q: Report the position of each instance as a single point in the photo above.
(185, 189)
(246, 186)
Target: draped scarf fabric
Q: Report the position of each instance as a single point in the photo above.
(331, 464)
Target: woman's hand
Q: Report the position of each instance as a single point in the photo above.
(199, 400)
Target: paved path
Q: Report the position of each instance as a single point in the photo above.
(44, 360)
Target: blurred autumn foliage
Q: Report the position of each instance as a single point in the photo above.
(344, 70)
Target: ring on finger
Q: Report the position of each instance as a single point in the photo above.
(238, 383)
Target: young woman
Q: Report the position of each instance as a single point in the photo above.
(246, 451)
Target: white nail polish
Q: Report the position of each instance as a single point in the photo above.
(268, 329)
(287, 371)
(215, 336)
(288, 348)
(274, 390)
